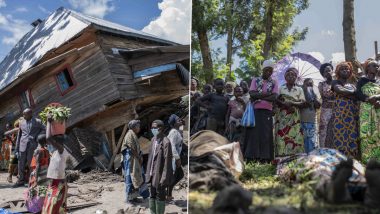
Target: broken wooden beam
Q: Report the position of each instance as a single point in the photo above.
(119, 143)
(82, 205)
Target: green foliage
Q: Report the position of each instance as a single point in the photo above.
(204, 20)
(59, 113)
(282, 41)
(220, 68)
(205, 14)
(258, 171)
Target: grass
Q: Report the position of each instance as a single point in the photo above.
(270, 192)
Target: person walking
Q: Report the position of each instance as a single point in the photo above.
(26, 143)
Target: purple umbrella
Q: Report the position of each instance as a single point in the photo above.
(307, 66)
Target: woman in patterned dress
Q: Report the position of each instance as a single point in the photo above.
(289, 138)
(368, 91)
(327, 104)
(345, 113)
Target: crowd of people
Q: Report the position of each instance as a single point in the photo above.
(38, 159)
(341, 113)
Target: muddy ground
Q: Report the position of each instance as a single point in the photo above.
(103, 187)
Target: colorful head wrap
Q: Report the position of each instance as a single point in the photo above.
(342, 64)
(368, 62)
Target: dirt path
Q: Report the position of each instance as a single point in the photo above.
(105, 188)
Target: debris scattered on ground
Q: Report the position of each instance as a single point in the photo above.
(99, 176)
(72, 176)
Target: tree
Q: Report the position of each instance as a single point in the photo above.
(203, 22)
(349, 32)
(235, 22)
(268, 27)
(271, 38)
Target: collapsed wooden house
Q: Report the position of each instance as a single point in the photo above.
(106, 73)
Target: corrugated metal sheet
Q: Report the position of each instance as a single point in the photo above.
(154, 70)
(61, 26)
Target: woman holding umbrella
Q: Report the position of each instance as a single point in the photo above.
(345, 112)
(289, 138)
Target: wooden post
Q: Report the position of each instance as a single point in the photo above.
(376, 52)
(117, 148)
(113, 140)
(109, 139)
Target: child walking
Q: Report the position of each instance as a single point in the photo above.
(38, 181)
(234, 114)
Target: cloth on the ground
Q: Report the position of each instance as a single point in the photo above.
(318, 165)
(209, 173)
(214, 161)
(229, 153)
(131, 143)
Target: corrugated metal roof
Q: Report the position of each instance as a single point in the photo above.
(58, 28)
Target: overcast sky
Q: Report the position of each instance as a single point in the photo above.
(169, 19)
(324, 19)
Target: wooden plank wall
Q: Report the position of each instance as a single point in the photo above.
(10, 106)
(121, 70)
(95, 87)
